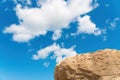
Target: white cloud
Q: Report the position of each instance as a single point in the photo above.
(85, 25)
(53, 15)
(59, 53)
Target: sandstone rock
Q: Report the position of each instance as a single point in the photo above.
(100, 65)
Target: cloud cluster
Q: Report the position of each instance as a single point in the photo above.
(59, 53)
(53, 15)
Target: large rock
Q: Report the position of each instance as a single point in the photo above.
(100, 65)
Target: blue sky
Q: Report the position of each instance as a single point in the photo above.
(35, 35)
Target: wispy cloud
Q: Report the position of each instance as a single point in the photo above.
(111, 24)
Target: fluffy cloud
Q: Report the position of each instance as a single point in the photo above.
(20, 33)
(85, 25)
(53, 15)
(59, 53)
(44, 53)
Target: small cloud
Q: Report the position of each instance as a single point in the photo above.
(85, 25)
(46, 64)
(111, 24)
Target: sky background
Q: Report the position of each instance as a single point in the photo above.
(35, 35)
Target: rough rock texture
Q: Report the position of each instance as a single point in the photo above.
(100, 65)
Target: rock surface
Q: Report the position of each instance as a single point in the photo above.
(100, 65)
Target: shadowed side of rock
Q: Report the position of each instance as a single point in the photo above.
(100, 65)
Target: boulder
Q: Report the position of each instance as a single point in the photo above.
(99, 65)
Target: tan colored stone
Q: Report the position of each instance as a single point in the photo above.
(100, 65)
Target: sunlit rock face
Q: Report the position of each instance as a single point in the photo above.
(99, 65)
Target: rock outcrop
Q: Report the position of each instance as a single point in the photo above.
(100, 65)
